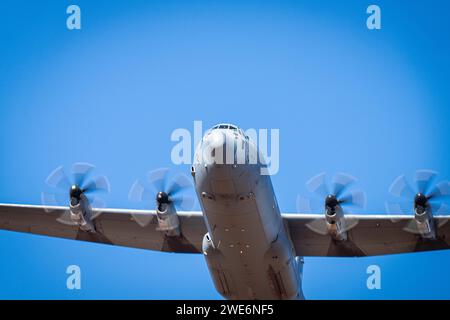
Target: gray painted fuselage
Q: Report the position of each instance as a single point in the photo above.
(247, 248)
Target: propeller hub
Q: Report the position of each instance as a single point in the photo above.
(420, 200)
(162, 198)
(331, 201)
(75, 192)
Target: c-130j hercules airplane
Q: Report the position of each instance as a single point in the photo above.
(253, 251)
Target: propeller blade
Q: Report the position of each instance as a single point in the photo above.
(303, 205)
(439, 208)
(412, 227)
(423, 180)
(394, 208)
(355, 198)
(185, 203)
(65, 219)
(401, 188)
(157, 178)
(143, 219)
(80, 171)
(350, 224)
(341, 182)
(58, 179)
(97, 204)
(309, 205)
(440, 191)
(317, 185)
(52, 199)
(136, 193)
(318, 226)
(48, 199)
(97, 184)
(443, 210)
(180, 183)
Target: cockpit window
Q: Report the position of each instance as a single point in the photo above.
(226, 126)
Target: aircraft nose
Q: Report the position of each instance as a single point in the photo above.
(218, 147)
(216, 139)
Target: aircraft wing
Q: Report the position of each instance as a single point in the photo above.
(368, 235)
(121, 227)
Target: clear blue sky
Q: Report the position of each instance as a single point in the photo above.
(372, 103)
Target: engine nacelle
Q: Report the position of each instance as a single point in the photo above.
(168, 220)
(336, 225)
(424, 217)
(425, 222)
(81, 213)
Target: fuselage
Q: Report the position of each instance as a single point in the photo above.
(247, 248)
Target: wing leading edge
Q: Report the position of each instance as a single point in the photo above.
(369, 235)
(119, 227)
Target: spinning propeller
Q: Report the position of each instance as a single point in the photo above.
(337, 196)
(75, 187)
(424, 197)
(168, 190)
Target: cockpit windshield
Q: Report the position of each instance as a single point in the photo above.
(225, 126)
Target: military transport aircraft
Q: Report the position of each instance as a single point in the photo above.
(253, 251)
